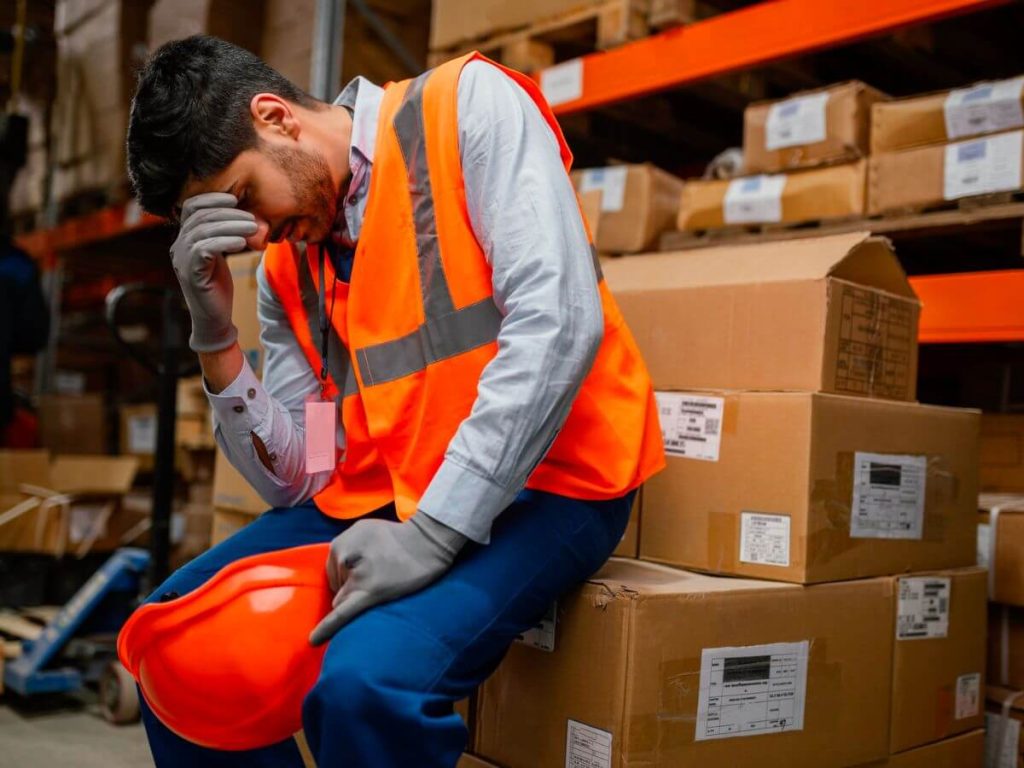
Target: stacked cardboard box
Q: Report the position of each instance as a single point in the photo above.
(237, 21)
(806, 154)
(785, 377)
(929, 150)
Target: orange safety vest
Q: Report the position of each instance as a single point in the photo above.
(418, 323)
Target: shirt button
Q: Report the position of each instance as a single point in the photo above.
(251, 393)
(239, 409)
(273, 457)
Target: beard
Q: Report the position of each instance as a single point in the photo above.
(312, 187)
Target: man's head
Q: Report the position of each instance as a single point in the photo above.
(209, 116)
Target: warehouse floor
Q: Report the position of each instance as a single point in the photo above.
(68, 732)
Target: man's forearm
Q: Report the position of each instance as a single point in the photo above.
(221, 368)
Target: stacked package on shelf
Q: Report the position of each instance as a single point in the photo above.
(929, 150)
(830, 612)
(805, 160)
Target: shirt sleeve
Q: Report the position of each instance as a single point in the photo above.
(525, 215)
(273, 410)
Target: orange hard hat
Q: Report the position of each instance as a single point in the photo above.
(228, 665)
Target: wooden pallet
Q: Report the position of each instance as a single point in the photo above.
(600, 25)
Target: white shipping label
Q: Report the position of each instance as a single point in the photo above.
(888, 496)
(542, 635)
(923, 608)
(587, 747)
(794, 122)
(982, 166)
(984, 545)
(764, 539)
(142, 434)
(562, 82)
(1002, 741)
(968, 695)
(984, 108)
(754, 199)
(88, 521)
(752, 690)
(612, 183)
(691, 425)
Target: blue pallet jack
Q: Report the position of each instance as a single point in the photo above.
(78, 645)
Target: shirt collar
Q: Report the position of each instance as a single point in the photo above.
(363, 99)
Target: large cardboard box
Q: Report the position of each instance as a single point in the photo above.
(928, 177)
(225, 523)
(638, 203)
(472, 761)
(935, 118)
(1001, 545)
(287, 43)
(808, 487)
(938, 656)
(629, 545)
(456, 21)
(232, 491)
(810, 128)
(73, 423)
(964, 751)
(243, 268)
(834, 314)
(655, 666)
(138, 433)
(237, 21)
(1002, 452)
(832, 192)
(1006, 645)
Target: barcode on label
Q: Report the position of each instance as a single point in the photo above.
(711, 426)
(923, 608)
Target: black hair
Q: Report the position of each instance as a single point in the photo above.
(190, 116)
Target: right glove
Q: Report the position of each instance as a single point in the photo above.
(211, 226)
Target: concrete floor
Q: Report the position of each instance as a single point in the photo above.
(67, 733)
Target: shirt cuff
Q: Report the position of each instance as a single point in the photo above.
(243, 407)
(465, 501)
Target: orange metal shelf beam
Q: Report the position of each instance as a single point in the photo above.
(770, 30)
(109, 222)
(971, 307)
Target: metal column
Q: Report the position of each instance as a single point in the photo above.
(328, 37)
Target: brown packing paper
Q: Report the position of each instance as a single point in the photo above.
(833, 314)
(964, 751)
(847, 123)
(628, 665)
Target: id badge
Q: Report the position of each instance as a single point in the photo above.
(321, 435)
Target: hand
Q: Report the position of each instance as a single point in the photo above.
(375, 561)
(211, 226)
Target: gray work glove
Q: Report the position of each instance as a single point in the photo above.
(211, 226)
(375, 561)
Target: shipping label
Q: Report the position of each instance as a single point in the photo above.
(888, 496)
(142, 433)
(984, 108)
(754, 199)
(752, 690)
(968, 695)
(984, 545)
(1002, 741)
(562, 82)
(587, 747)
(764, 539)
(923, 608)
(611, 182)
(691, 425)
(982, 166)
(877, 339)
(797, 121)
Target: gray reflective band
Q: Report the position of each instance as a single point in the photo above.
(408, 122)
(337, 355)
(437, 339)
(597, 262)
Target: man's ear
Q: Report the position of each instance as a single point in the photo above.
(274, 115)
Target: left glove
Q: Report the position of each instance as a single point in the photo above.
(375, 561)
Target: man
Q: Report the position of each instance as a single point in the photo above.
(430, 302)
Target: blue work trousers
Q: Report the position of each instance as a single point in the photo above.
(390, 678)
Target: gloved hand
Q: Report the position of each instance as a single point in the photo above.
(375, 561)
(211, 226)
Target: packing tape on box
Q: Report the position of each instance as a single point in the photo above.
(1004, 720)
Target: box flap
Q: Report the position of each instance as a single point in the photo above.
(93, 474)
(777, 262)
(636, 577)
(873, 262)
(17, 467)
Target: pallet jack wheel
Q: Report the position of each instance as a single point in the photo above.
(119, 698)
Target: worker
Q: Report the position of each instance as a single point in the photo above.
(449, 393)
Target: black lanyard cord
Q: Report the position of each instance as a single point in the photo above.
(322, 315)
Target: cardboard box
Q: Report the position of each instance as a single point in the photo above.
(191, 399)
(232, 491)
(832, 192)
(456, 21)
(830, 125)
(73, 423)
(1006, 645)
(138, 433)
(237, 21)
(1002, 452)
(194, 432)
(1001, 545)
(935, 118)
(1004, 713)
(810, 487)
(638, 203)
(472, 761)
(638, 644)
(928, 177)
(243, 268)
(964, 751)
(287, 43)
(228, 522)
(938, 656)
(629, 545)
(834, 314)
